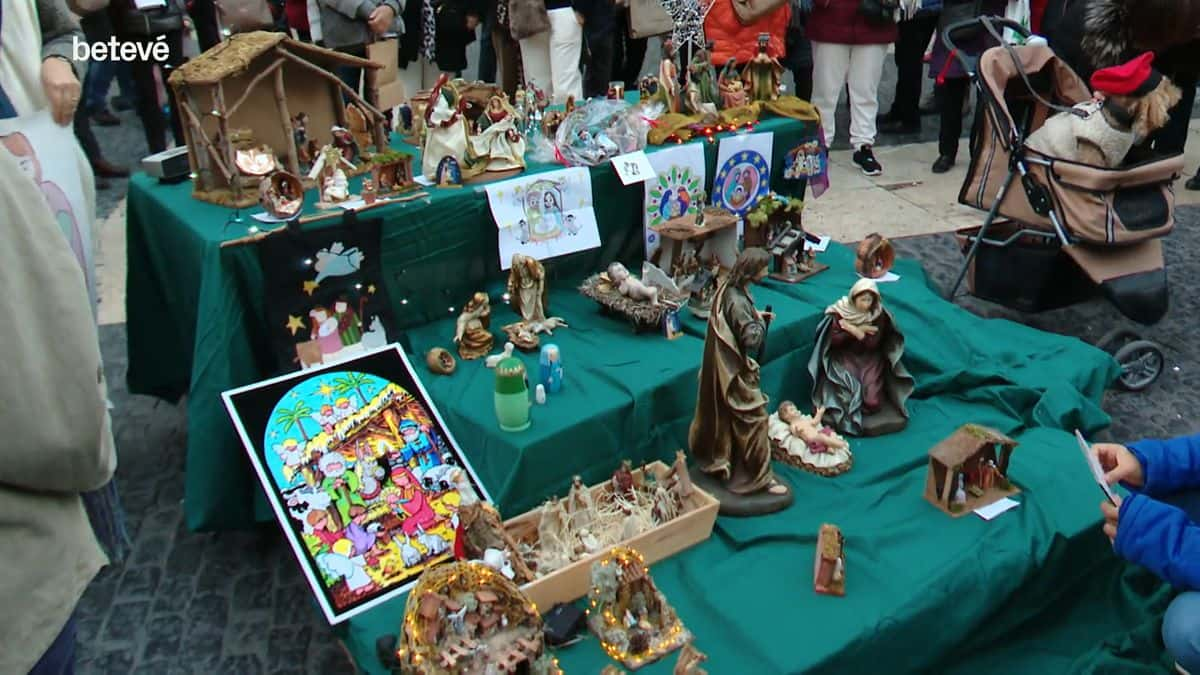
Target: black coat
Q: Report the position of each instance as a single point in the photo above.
(452, 36)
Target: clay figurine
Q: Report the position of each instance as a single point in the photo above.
(803, 441)
(539, 394)
(829, 568)
(647, 88)
(498, 140)
(495, 359)
(731, 86)
(512, 395)
(440, 361)
(528, 297)
(344, 141)
(857, 372)
(689, 661)
(875, 257)
(368, 191)
(480, 528)
(471, 332)
(328, 166)
(550, 368)
(630, 286)
(281, 194)
(300, 137)
(258, 161)
(729, 436)
(704, 76)
(762, 74)
(668, 78)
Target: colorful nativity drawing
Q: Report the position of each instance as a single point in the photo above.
(743, 172)
(361, 472)
(544, 215)
(323, 293)
(678, 188)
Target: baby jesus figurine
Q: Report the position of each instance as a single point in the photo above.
(801, 440)
(630, 286)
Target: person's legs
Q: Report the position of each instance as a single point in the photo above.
(506, 60)
(59, 659)
(566, 45)
(635, 56)
(148, 109)
(174, 41)
(535, 58)
(866, 69)
(804, 82)
(831, 63)
(1181, 630)
(910, 67)
(950, 101)
(599, 72)
(204, 14)
(1170, 139)
(487, 51)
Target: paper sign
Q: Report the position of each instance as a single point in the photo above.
(886, 278)
(996, 508)
(818, 247)
(633, 167)
(1094, 464)
(544, 215)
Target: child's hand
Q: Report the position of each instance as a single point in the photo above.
(1119, 464)
(1111, 514)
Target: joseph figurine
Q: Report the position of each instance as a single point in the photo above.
(729, 433)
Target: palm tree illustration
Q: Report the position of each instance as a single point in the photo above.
(352, 382)
(294, 417)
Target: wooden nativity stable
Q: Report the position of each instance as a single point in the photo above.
(244, 93)
(969, 470)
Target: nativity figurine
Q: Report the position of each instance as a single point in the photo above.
(803, 441)
(668, 77)
(704, 76)
(258, 161)
(689, 661)
(335, 187)
(729, 435)
(629, 614)
(344, 141)
(857, 370)
(471, 332)
(762, 74)
(281, 195)
(300, 138)
(829, 568)
(731, 86)
(550, 368)
(498, 140)
(630, 286)
(528, 297)
(481, 530)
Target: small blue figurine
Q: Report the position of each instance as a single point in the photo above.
(551, 368)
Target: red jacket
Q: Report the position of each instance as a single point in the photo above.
(733, 40)
(841, 22)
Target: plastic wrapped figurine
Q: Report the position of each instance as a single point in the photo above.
(729, 437)
(551, 368)
(805, 442)
(512, 395)
(731, 86)
(856, 367)
(762, 74)
(471, 332)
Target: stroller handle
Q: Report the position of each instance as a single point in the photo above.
(988, 22)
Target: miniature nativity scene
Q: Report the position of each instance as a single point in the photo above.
(829, 565)
(644, 302)
(707, 234)
(859, 378)
(488, 145)
(874, 257)
(969, 470)
(775, 225)
(629, 614)
(529, 297)
(467, 619)
(252, 105)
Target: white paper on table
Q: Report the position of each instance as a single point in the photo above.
(675, 190)
(1094, 464)
(265, 217)
(420, 179)
(885, 279)
(743, 172)
(820, 246)
(996, 508)
(544, 215)
(633, 167)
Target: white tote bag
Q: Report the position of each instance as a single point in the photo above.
(1018, 11)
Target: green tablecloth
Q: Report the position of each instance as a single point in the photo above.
(195, 324)
(918, 582)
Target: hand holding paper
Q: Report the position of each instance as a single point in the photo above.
(1120, 465)
(1090, 454)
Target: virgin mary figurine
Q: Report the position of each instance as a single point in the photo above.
(729, 438)
(856, 368)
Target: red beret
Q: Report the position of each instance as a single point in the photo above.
(1135, 77)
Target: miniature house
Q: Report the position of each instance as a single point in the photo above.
(709, 235)
(969, 470)
(245, 92)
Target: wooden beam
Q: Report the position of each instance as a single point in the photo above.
(339, 213)
(336, 80)
(199, 161)
(285, 117)
(194, 121)
(218, 98)
(253, 83)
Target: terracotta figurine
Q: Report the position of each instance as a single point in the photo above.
(856, 367)
(689, 661)
(829, 568)
(471, 332)
(701, 71)
(440, 361)
(729, 433)
(733, 90)
(668, 77)
(805, 442)
(762, 74)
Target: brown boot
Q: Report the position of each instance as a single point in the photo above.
(103, 169)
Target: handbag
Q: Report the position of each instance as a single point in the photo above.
(750, 11)
(879, 12)
(648, 18)
(244, 16)
(527, 18)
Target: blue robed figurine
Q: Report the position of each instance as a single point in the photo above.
(551, 369)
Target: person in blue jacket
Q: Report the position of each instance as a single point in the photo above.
(1158, 527)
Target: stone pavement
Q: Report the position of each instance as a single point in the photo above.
(236, 602)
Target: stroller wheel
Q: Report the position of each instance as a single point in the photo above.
(1115, 339)
(1141, 363)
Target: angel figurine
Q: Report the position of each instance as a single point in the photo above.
(732, 88)
(762, 74)
(528, 297)
(471, 332)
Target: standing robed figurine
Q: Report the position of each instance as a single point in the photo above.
(762, 74)
(729, 438)
(856, 367)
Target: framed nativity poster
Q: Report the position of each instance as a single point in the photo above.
(361, 472)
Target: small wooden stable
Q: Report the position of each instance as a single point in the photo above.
(245, 91)
(979, 458)
(829, 566)
(712, 234)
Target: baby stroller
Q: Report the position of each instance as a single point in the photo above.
(1107, 222)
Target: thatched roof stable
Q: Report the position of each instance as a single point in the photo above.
(234, 56)
(966, 441)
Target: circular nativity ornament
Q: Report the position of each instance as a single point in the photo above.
(741, 181)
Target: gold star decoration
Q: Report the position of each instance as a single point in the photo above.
(294, 324)
(371, 289)
(310, 286)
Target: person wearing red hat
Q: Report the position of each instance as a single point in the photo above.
(1131, 101)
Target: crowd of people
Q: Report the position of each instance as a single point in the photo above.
(71, 523)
